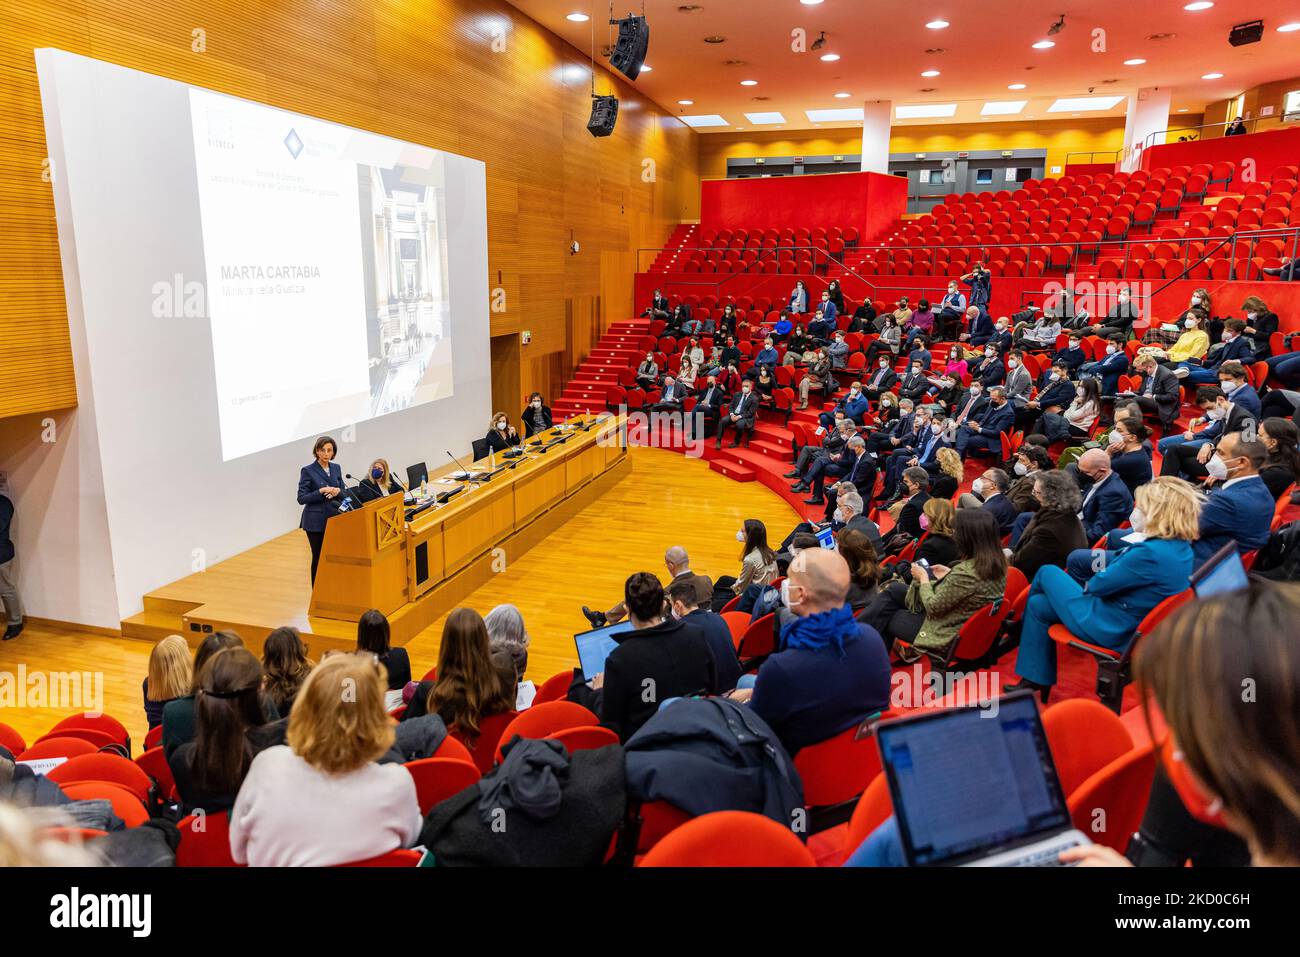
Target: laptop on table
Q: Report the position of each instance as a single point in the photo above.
(974, 789)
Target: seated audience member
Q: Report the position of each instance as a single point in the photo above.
(647, 373)
(859, 473)
(836, 440)
(838, 350)
(989, 369)
(979, 327)
(671, 396)
(757, 568)
(908, 450)
(864, 318)
(1085, 408)
(1193, 342)
(882, 379)
(678, 564)
(1203, 429)
(848, 515)
(507, 634)
(1234, 346)
(1282, 465)
(178, 714)
(1235, 384)
(922, 324)
(502, 434)
(1027, 462)
(765, 357)
(687, 374)
(1107, 502)
(703, 419)
(819, 377)
(1158, 394)
(1019, 383)
(685, 603)
(1053, 529)
(1192, 459)
(661, 653)
(171, 676)
(1107, 370)
(854, 405)
(229, 730)
(537, 416)
(1129, 457)
(968, 407)
(740, 417)
(864, 567)
(824, 321)
(897, 434)
(951, 473)
(284, 667)
(1040, 334)
(800, 348)
(1108, 607)
(916, 492)
(915, 383)
(831, 672)
(379, 481)
(938, 546)
(951, 309)
(1241, 508)
(321, 799)
(798, 302)
(1119, 321)
(928, 613)
(373, 637)
(469, 686)
(989, 492)
(986, 434)
(1072, 356)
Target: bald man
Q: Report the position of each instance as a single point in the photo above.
(678, 564)
(833, 671)
(1107, 503)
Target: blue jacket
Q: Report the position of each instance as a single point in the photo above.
(996, 421)
(1242, 512)
(1247, 398)
(1057, 393)
(726, 666)
(1241, 349)
(853, 408)
(1000, 507)
(317, 509)
(1135, 580)
(799, 300)
(829, 311)
(1073, 357)
(1002, 341)
(766, 357)
(981, 328)
(927, 450)
(990, 371)
(980, 286)
(1109, 507)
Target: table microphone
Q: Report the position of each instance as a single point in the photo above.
(464, 471)
(351, 493)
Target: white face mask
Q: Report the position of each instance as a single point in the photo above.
(839, 516)
(1189, 323)
(989, 353)
(1116, 438)
(884, 364)
(1216, 468)
(1074, 345)
(1055, 376)
(1022, 468)
(785, 595)
(1137, 518)
(537, 404)
(1214, 414)
(975, 391)
(1012, 363)
(1078, 393)
(1251, 316)
(978, 487)
(1228, 386)
(937, 428)
(501, 426)
(740, 537)
(1110, 350)
(1229, 336)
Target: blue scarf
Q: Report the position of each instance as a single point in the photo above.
(826, 629)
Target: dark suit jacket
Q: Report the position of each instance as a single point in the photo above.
(860, 523)
(981, 328)
(1167, 392)
(990, 372)
(726, 666)
(649, 666)
(316, 507)
(913, 386)
(746, 407)
(996, 421)
(887, 380)
(1108, 508)
(1061, 393)
(1242, 349)
(909, 518)
(1072, 357)
(711, 405)
(1001, 508)
(978, 409)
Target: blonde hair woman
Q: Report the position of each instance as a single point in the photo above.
(379, 480)
(321, 799)
(171, 674)
(952, 471)
(1122, 587)
(501, 434)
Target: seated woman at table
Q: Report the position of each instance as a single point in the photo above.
(1108, 608)
(379, 481)
(502, 434)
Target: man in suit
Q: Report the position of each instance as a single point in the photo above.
(741, 417)
(660, 658)
(927, 448)
(659, 307)
(860, 473)
(9, 574)
(1235, 347)
(1109, 368)
(1055, 393)
(837, 464)
(1241, 508)
(1236, 386)
(986, 433)
(849, 514)
(824, 323)
(914, 384)
(836, 439)
(1159, 393)
(1002, 338)
(1072, 355)
(1191, 459)
(979, 327)
(916, 491)
(990, 494)
(704, 416)
(838, 350)
(909, 449)
(896, 433)
(968, 407)
(1108, 502)
(685, 606)
(1121, 317)
(853, 404)
(678, 564)
(672, 396)
(1019, 383)
(989, 369)
(882, 380)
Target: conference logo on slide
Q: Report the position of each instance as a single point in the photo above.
(293, 143)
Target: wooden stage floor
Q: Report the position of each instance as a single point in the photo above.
(664, 500)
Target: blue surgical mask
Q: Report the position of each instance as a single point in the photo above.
(376, 473)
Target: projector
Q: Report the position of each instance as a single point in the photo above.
(1244, 33)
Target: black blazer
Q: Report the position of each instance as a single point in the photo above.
(913, 386)
(317, 509)
(526, 417)
(670, 660)
(938, 550)
(370, 490)
(1167, 392)
(711, 401)
(909, 518)
(500, 441)
(887, 381)
(1000, 507)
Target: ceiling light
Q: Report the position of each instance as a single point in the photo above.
(646, 68)
(1003, 107)
(842, 96)
(685, 102)
(578, 17)
(929, 73)
(1085, 103)
(925, 111)
(1044, 45)
(830, 57)
(1016, 86)
(937, 24)
(1182, 109)
(834, 116)
(749, 83)
(1198, 5)
(1288, 28)
(708, 119)
(810, 3)
(760, 119)
(1136, 61)
(1211, 76)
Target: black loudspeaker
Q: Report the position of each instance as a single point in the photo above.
(604, 114)
(629, 52)
(1244, 33)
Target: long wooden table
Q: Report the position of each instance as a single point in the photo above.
(373, 557)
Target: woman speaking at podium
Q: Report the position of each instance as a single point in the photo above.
(502, 434)
(320, 490)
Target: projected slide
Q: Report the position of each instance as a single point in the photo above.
(326, 257)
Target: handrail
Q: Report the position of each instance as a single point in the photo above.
(1149, 140)
(1113, 154)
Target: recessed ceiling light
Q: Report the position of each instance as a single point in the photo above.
(749, 83)
(578, 17)
(646, 68)
(1288, 28)
(1016, 86)
(708, 119)
(937, 24)
(764, 119)
(1044, 45)
(1198, 5)
(925, 111)
(1071, 103)
(1003, 107)
(1136, 61)
(834, 116)
(1211, 76)
(830, 57)
(842, 96)
(810, 3)
(685, 102)
(1182, 109)
(929, 73)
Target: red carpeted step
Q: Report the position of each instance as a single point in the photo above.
(767, 447)
(733, 470)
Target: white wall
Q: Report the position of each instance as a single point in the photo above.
(127, 206)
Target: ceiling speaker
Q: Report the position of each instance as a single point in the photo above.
(604, 114)
(1244, 33)
(633, 40)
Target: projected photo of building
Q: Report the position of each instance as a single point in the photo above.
(408, 328)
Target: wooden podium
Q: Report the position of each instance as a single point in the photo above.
(362, 562)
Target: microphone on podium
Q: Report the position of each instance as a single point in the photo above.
(467, 475)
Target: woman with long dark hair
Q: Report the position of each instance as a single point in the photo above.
(373, 637)
(757, 569)
(469, 687)
(285, 667)
(1282, 467)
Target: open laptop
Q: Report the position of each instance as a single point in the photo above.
(976, 789)
(594, 647)
(1222, 572)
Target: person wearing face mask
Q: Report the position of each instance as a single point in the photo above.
(908, 449)
(379, 481)
(897, 433)
(1261, 323)
(1084, 408)
(704, 417)
(1193, 341)
(672, 396)
(1234, 346)
(1002, 338)
(864, 318)
(1118, 593)
(685, 606)
(1235, 384)
(1158, 393)
(882, 380)
(1123, 314)
(1129, 458)
(1240, 507)
(980, 281)
(819, 376)
(800, 348)
(536, 416)
(853, 404)
(757, 569)
(1281, 468)
(838, 350)
(921, 354)
(1055, 393)
(1073, 314)
(859, 472)
(944, 390)
(916, 492)
(914, 383)
(1107, 502)
(979, 327)
(1107, 370)
(969, 407)
(831, 672)
(741, 416)
(951, 309)
(798, 298)
(1190, 457)
(1019, 383)
(647, 373)
(930, 445)
(767, 356)
(501, 434)
(1041, 334)
(824, 323)
(989, 492)
(888, 343)
(989, 369)
(1073, 355)
(986, 433)
(922, 324)
(1053, 530)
